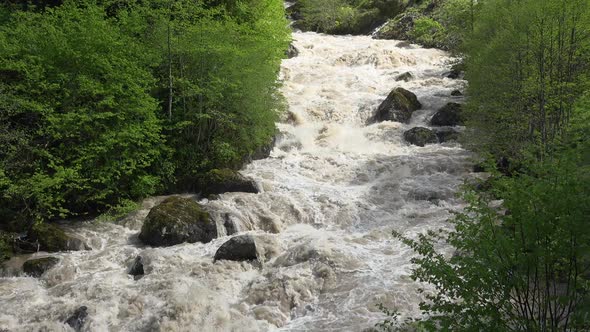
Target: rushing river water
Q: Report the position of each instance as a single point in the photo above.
(332, 191)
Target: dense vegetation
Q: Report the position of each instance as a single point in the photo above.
(522, 255)
(105, 102)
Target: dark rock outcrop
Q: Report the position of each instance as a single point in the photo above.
(239, 248)
(136, 268)
(456, 93)
(447, 135)
(177, 220)
(6, 246)
(399, 106)
(219, 181)
(38, 266)
(78, 318)
(263, 151)
(449, 115)
(406, 77)
(420, 136)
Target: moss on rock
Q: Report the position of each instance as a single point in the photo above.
(177, 220)
(420, 136)
(49, 237)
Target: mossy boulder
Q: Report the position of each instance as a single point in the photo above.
(400, 27)
(239, 248)
(51, 238)
(177, 220)
(398, 106)
(219, 181)
(37, 267)
(457, 71)
(447, 135)
(420, 136)
(449, 115)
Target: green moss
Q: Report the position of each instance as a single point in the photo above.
(406, 100)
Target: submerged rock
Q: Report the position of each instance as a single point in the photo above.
(399, 106)
(78, 318)
(449, 115)
(38, 266)
(219, 181)
(406, 77)
(177, 220)
(292, 51)
(456, 93)
(420, 136)
(239, 248)
(447, 135)
(136, 268)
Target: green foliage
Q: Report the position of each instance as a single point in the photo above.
(427, 31)
(525, 270)
(527, 65)
(347, 16)
(105, 102)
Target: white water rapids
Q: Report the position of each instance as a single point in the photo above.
(332, 191)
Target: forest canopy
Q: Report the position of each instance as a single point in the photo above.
(105, 102)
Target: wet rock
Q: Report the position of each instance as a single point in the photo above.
(50, 238)
(219, 181)
(177, 220)
(239, 248)
(136, 268)
(406, 77)
(78, 318)
(399, 106)
(292, 52)
(449, 115)
(229, 224)
(456, 93)
(263, 151)
(404, 44)
(457, 72)
(447, 135)
(479, 168)
(420, 136)
(38, 266)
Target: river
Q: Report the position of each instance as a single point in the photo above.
(332, 191)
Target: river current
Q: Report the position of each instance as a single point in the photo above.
(332, 191)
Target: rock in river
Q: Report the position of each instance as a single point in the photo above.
(177, 220)
(399, 106)
(239, 248)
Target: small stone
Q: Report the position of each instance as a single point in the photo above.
(136, 268)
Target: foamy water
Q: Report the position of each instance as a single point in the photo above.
(333, 190)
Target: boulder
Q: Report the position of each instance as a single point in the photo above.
(49, 237)
(456, 93)
(292, 52)
(447, 135)
(177, 220)
(78, 318)
(219, 181)
(239, 248)
(136, 268)
(420, 136)
(398, 106)
(449, 115)
(399, 27)
(406, 77)
(38, 266)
